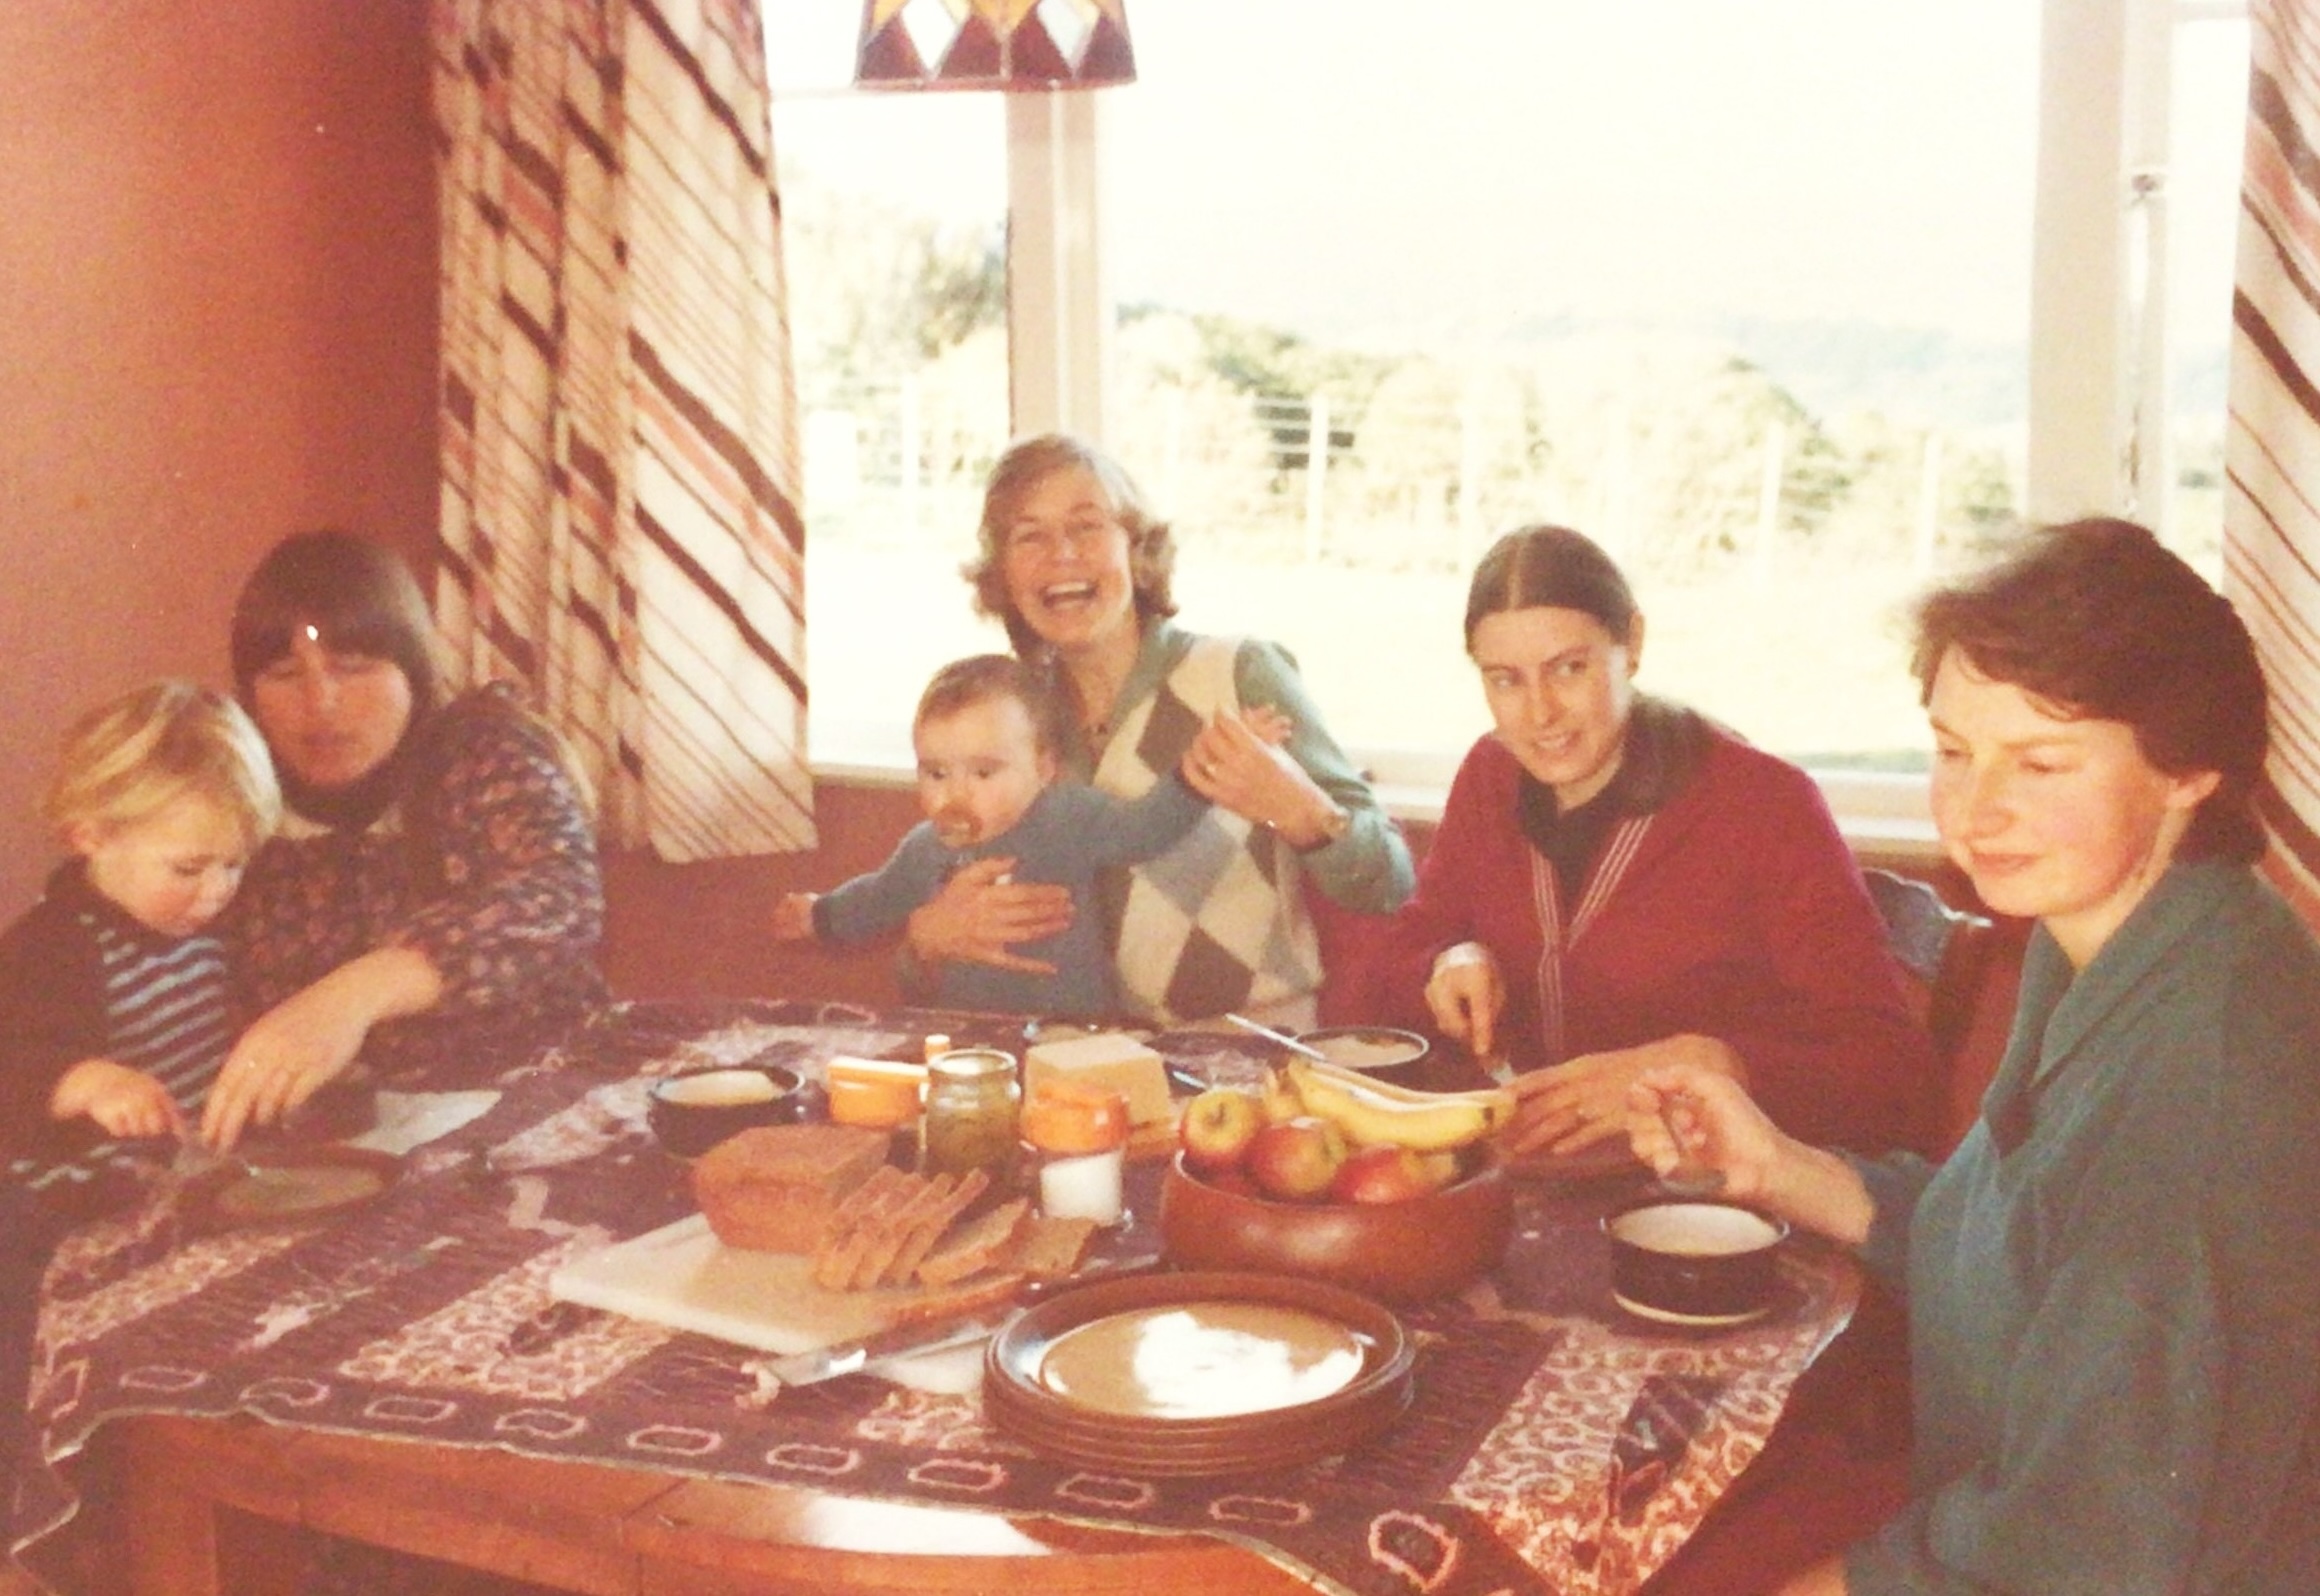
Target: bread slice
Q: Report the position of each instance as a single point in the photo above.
(856, 1228)
(969, 1296)
(932, 1227)
(1047, 1248)
(888, 1231)
(977, 1245)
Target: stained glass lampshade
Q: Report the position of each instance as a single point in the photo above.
(994, 44)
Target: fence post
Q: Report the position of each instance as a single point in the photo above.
(1316, 473)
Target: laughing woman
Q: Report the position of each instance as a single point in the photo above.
(434, 882)
(2114, 1282)
(1078, 571)
(1618, 882)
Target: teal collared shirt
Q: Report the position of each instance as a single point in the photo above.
(2114, 1282)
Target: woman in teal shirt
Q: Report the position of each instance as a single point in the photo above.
(2114, 1282)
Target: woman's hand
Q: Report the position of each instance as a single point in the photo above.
(1237, 763)
(1584, 1100)
(980, 915)
(122, 1101)
(1685, 1112)
(1466, 996)
(306, 1039)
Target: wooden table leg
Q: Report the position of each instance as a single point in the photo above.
(180, 1477)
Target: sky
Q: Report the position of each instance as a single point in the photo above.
(1341, 164)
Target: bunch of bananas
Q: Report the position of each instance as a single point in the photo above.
(1375, 1113)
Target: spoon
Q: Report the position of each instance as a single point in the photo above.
(1277, 1038)
(1689, 1178)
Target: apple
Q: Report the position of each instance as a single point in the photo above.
(1388, 1174)
(1296, 1159)
(1216, 1129)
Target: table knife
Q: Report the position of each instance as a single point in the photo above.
(850, 1357)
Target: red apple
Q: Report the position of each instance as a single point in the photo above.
(1296, 1159)
(1217, 1128)
(1385, 1174)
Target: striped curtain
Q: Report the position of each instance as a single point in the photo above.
(2272, 454)
(620, 524)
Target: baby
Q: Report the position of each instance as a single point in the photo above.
(113, 1004)
(986, 736)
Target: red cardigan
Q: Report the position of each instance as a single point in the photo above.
(1736, 912)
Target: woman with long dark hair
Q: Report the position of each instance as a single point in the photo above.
(434, 881)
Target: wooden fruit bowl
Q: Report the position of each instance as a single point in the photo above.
(1394, 1252)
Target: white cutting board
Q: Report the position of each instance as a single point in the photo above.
(682, 1276)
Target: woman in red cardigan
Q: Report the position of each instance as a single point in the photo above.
(1619, 883)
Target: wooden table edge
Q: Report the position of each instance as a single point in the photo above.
(592, 1527)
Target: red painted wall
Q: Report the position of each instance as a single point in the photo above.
(217, 260)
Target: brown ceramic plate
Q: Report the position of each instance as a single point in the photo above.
(289, 1186)
(1041, 1386)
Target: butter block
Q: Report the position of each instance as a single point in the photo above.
(1107, 1059)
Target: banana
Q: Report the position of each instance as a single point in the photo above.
(1375, 1112)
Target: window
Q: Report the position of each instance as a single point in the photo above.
(894, 213)
(1743, 291)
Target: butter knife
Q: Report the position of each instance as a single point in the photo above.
(850, 1357)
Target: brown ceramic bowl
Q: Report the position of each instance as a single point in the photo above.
(693, 1112)
(1395, 1252)
(1684, 1262)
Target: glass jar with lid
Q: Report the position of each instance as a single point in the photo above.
(971, 1103)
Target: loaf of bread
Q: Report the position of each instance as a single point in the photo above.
(776, 1188)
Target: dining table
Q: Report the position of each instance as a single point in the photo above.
(402, 1373)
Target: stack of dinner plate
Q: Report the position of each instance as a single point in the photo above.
(1203, 1373)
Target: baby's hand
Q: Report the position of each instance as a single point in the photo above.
(1268, 723)
(123, 1102)
(793, 917)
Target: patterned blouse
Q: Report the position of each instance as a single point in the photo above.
(485, 862)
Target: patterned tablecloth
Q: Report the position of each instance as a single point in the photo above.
(1553, 1444)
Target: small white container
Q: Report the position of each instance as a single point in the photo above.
(1083, 1185)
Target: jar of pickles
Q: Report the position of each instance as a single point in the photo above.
(971, 1103)
(1076, 1136)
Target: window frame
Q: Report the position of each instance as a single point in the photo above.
(2098, 368)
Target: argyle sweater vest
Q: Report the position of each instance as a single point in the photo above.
(1218, 923)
